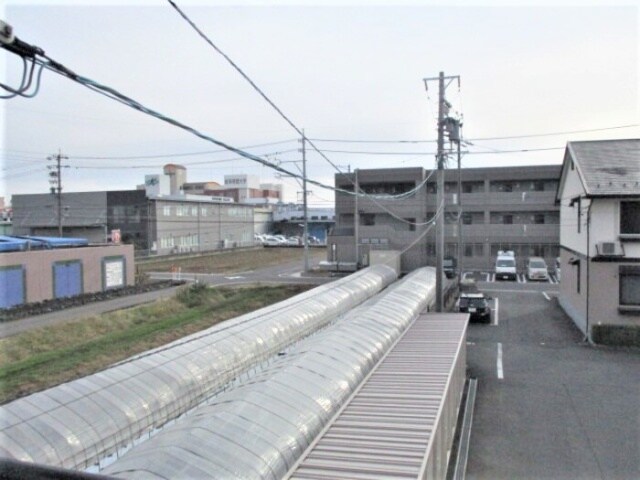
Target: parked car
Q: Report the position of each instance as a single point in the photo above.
(449, 265)
(537, 269)
(476, 305)
(294, 241)
(272, 241)
(506, 265)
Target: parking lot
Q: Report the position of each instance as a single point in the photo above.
(548, 404)
(490, 277)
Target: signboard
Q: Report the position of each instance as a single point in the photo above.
(114, 273)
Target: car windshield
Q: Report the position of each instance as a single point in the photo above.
(506, 263)
(537, 264)
(473, 302)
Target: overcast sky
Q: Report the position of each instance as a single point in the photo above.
(341, 72)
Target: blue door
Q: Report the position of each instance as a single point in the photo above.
(11, 286)
(67, 279)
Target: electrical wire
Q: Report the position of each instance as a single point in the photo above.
(258, 90)
(533, 135)
(183, 154)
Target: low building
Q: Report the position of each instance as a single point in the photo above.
(599, 198)
(288, 219)
(502, 208)
(47, 273)
(155, 225)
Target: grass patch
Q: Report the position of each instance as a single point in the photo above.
(48, 356)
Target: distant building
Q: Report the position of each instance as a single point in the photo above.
(599, 197)
(242, 188)
(288, 219)
(156, 225)
(502, 209)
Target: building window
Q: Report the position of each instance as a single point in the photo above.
(507, 219)
(507, 187)
(538, 218)
(630, 285)
(467, 188)
(367, 219)
(411, 224)
(630, 218)
(467, 219)
(538, 186)
(166, 210)
(468, 250)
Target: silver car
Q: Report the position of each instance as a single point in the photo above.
(537, 269)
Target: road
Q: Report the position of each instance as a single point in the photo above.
(549, 405)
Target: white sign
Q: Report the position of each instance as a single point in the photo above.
(114, 273)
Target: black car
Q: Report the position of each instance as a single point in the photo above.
(476, 305)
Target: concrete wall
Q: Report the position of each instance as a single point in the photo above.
(38, 265)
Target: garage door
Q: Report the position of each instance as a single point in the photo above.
(67, 279)
(12, 286)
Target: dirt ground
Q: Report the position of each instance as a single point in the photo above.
(232, 262)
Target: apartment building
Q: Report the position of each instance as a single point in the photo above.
(501, 208)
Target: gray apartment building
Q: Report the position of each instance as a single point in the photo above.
(155, 225)
(503, 208)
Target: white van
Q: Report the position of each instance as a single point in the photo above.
(506, 265)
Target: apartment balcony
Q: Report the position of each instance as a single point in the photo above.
(490, 232)
(505, 200)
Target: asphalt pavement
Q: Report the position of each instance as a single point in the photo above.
(549, 405)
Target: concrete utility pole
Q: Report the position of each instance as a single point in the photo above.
(356, 217)
(305, 235)
(441, 157)
(55, 180)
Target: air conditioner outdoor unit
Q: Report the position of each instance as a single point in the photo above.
(610, 249)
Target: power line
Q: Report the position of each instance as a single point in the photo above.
(533, 135)
(182, 154)
(260, 92)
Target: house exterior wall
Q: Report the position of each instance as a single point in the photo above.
(38, 267)
(526, 195)
(596, 307)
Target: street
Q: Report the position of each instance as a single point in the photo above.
(549, 405)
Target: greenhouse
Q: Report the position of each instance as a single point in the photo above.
(259, 429)
(78, 424)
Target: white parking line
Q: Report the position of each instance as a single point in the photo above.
(495, 315)
(499, 369)
(544, 294)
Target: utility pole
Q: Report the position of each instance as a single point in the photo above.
(55, 180)
(356, 216)
(441, 157)
(305, 234)
(459, 217)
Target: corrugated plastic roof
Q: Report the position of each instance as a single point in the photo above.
(388, 427)
(608, 167)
